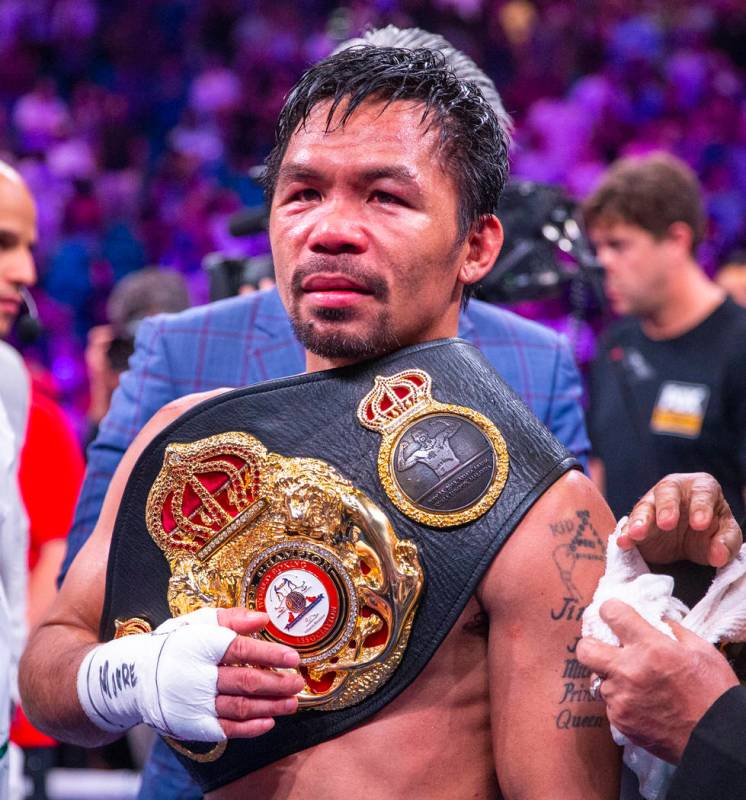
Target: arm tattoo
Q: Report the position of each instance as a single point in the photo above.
(581, 542)
(577, 540)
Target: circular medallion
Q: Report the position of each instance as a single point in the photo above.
(308, 596)
(447, 468)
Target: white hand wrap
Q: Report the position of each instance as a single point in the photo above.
(166, 679)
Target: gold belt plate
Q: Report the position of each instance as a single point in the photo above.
(440, 464)
(242, 526)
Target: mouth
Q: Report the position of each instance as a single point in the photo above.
(10, 305)
(334, 290)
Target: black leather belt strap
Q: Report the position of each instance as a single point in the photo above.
(314, 416)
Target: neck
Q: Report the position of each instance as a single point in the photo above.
(316, 363)
(691, 298)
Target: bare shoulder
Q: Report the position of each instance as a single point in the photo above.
(534, 594)
(557, 550)
(175, 408)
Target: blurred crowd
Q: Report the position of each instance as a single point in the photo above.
(139, 127)
(136, 124)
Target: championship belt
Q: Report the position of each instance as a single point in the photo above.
(334, 502)
(241, 526)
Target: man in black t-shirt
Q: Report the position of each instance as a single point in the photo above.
(668, 385)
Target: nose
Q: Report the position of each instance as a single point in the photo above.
(605, 257)
(338, 230)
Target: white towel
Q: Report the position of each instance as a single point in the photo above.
(719, 616)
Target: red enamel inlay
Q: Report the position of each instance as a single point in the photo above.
(167, 517)
(318, 687)
(217, 485)
(380, 636)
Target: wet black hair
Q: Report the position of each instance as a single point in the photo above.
(473, 144)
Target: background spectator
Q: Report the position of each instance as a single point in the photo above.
(136, 122)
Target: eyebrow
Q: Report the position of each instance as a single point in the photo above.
(297, 172)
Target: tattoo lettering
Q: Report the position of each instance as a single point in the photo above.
(574, 669)
(575, 693)
(584, 544)
(114, 681)
(579, 541)
(566, 720)
(569, 611)
(561, 527)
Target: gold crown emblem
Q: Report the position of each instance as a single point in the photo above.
(394, 399)
(202, 490)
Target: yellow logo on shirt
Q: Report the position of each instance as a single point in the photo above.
(680, 409)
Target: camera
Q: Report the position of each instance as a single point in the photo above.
(227, 274)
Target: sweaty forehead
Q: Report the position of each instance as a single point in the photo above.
(376, 141)
(397, 126)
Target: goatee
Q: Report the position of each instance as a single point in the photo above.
(336, 343)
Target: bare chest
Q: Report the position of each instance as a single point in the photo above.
(432, 742)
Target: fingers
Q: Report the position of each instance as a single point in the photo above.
(705, 496)
(727, 543)
(669, 497)
(697, 493)
(626, 623)
(248, 698)
(640, 523)
(252, 682)
(247, 729)
(257, 652)
(717, 536)
(244, 709)
(684, 635)
(241, 620)
(597, 656)
(247, 650)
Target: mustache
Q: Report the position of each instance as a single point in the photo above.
(344, 265)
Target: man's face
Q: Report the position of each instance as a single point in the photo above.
(364, 234)
(636, 267)
(17, 237)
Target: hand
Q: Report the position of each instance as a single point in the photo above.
(201, 676)
(656, 689)
(684, 516)
(250, 696)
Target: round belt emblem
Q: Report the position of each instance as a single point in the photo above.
(308, 596)
(443, 463)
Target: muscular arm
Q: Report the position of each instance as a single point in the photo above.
(50, 665)
(549, 737)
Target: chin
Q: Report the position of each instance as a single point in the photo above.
(348, 342)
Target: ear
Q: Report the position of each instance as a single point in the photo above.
(484, 243)
(681, 234)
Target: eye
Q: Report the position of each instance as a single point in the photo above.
(306, 195)
(386, 198)
(7, 240)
